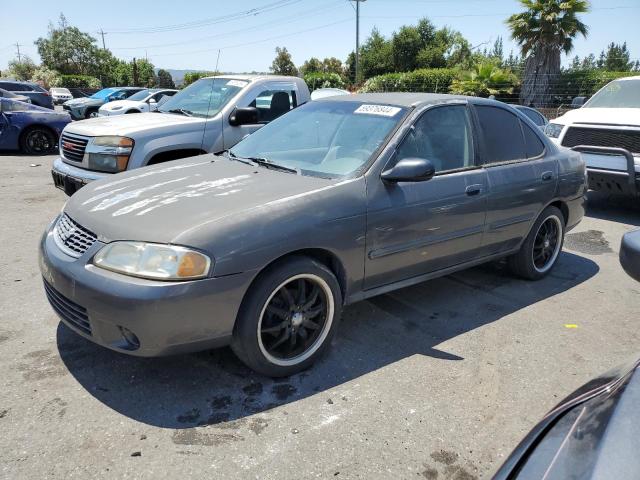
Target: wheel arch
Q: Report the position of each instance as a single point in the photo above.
(168, 155)
(24, 131)
(562, 206)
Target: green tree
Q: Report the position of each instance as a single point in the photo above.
(313, 65)
(332, 65)
(282, 64)
(22, 69)
(483, 80)
(46, 77)
(191, 77)
(376, 57)
(406, 44)
(544, 30)
(165, 80)
(616, 58)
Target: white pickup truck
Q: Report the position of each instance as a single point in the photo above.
(606, 129)
(211, 115)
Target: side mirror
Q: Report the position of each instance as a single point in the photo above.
(243, 116)
(577, 102)
(630, 254)
(410, 170)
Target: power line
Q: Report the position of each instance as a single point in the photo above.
(208, 21)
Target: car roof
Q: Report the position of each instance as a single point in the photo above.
(402, 99)
(253, 77)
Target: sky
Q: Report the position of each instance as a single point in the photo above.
(188, 34)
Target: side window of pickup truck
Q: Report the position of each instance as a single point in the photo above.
(273, 103)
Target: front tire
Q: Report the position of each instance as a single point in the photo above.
(38, 141)
(288, 317)
(541, 248)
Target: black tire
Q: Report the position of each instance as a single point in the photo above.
(91, 113)
(268, 315)
(38, 141)
(132, 111)
(540, 250)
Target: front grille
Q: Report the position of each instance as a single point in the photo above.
(603, 137)
(73, 147)
(71, 237)
(70, 311)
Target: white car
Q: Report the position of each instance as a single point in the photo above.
(60, 95)
(328, 92)
(606, 130)
(143, 101)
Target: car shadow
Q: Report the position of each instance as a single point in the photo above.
(615, 208)
(213, 387)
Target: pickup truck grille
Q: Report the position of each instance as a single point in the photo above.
(603, 137)
(73, 147)
(72, 238)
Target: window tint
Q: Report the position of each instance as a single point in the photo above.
(534, 116)
(14, 87)
(502, 134)
(534, 145)
(273, 103)
(443, 136)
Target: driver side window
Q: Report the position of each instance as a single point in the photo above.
(273, 103)
(442, 135)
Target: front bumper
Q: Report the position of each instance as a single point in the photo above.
(70, 179)
(165, 317)
(611, 170)
(77, 113)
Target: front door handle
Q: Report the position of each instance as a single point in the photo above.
(546, 176)
(473, 189)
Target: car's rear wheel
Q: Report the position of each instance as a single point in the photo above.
(132, 111)
(38, 141)
(288, 317)
(91, 113)
(541, 248)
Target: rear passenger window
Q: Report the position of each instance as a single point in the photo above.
(534, 145)
(502, 134)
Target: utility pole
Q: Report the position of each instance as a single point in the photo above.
(101, 32)
(358, 38)
(18, 49)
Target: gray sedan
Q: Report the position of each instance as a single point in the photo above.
(334, 202)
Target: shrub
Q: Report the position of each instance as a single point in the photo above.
(583, 83)
(79, 81)
(46, 77)
(191, 77)
(317, 80)
(483, 80)
(431, 80)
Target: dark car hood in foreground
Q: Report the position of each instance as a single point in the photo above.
(592, 434)
(162, 202)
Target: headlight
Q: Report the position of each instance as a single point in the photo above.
(153, 260)
(109, 154)
(553, 130)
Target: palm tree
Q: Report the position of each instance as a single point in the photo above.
(544, 30)
(483, 80)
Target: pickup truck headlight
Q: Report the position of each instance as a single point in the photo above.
(153, 260)
(553, 130)
(109, 154)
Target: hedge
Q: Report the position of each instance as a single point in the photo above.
(317, 80)
(431, 80)
(583, 83)
(79, 81)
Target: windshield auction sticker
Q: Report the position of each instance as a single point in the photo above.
(384, 110)
(236, 83)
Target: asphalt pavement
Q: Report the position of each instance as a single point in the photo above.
(437, 381)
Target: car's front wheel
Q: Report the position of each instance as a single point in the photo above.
(541, 248)
(38, 141)
(288, 318)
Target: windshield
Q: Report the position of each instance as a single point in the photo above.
(60, 90)
(618, 94)
(104, 93)
(324, 138)
(204, 98)
(141, 95)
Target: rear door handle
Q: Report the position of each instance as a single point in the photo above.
(473, 189)
(546, 176)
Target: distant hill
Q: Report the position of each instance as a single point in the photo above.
(178, 75)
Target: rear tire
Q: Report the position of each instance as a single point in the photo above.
(540, 250)
(288, 317)
(132, 111)
(38, 141)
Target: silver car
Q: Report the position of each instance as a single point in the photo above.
(336, 201)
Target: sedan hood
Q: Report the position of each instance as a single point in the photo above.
(82, 101)
(129, 124)
(120, 104)
(603, 116)
(167, 201)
